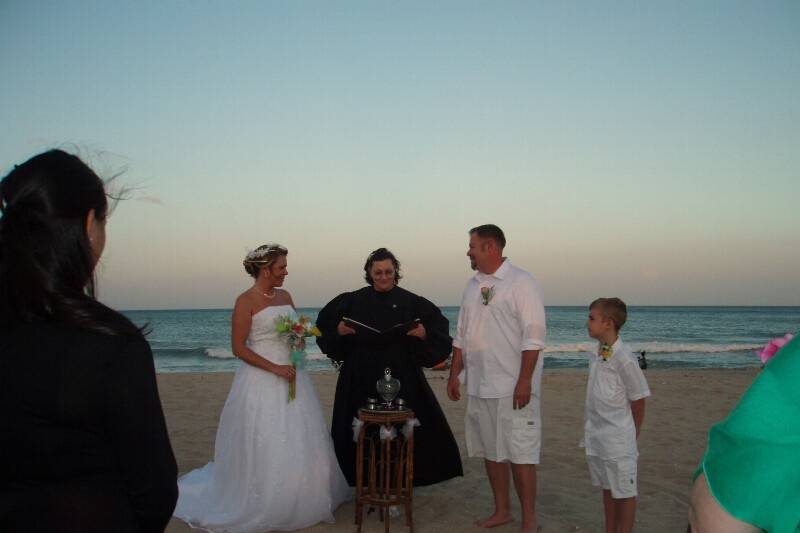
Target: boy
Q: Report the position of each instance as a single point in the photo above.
(614, 413)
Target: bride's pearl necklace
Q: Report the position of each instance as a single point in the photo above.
(266, 295)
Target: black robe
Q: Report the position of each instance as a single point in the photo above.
(364, 356)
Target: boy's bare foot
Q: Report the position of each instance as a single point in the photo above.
(497, 519)
(533, 529)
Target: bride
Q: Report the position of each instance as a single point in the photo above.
(274, 466)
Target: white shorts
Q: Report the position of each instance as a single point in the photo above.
(617, 475)
(499, 433)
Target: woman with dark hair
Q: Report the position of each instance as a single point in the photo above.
(274, 466)
(363, 356)
(83, 438)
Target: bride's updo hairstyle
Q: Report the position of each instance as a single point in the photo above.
(263, 257)
(46, 263)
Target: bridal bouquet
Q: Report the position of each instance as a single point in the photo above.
(296, 332)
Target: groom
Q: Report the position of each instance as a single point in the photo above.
(500, 333)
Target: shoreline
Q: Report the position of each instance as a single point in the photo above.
(443, 374)
(672, 442)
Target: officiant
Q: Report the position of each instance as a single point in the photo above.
(368, 343)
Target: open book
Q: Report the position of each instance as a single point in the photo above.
(397, 328)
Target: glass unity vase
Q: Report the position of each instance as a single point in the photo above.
(388, 387)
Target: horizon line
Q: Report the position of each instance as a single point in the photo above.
(697, 306)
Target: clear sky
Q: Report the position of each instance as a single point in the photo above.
(648, 150)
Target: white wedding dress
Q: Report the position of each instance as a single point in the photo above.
(274, 466)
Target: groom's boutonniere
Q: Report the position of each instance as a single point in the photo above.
(486, 294)
(606, 352)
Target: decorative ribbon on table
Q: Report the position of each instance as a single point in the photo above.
(388, 432)
(408, 427)
(357, 424)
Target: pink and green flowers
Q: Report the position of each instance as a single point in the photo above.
(486, 294)
(296, 332)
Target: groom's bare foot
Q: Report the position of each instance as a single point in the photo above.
(497, 519)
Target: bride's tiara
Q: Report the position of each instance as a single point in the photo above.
(260, 254)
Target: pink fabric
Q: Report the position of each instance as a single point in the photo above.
(768, 352)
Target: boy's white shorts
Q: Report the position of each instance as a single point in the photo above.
(617, 475)
(497, 432)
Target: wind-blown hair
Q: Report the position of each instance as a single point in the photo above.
(381, 254)
(46, 264)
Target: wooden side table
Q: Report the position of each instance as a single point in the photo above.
(390, 473)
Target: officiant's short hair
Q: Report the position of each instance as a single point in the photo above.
(490, 231)
(382, 254)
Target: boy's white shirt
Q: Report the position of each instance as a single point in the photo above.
(609, 430)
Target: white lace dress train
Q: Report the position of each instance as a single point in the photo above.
(274, 466)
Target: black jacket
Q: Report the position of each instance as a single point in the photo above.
(83, 442)
(365, 356)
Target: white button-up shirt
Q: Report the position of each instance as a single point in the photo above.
(492, 336)
(613, 385)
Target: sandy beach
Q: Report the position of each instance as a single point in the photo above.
(683, 406)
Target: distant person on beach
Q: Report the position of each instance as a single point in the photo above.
(499, 338)
(749, 477)
(83, 442)
(615, 396)
(364, 354)
(274, 466)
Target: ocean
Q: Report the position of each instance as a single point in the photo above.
(683, 337)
